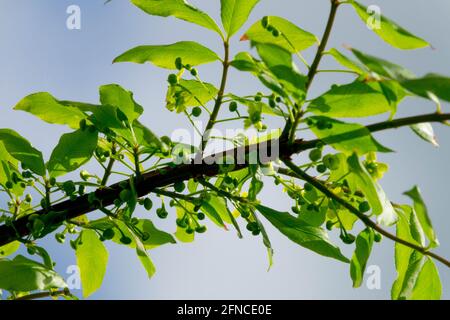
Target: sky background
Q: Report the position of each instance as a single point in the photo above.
(40, 54)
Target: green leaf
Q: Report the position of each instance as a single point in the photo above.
(145, 137)
(244, 61)
(164, 56)
(44, 106)
(292, 38)
(92, 259)
(428, 284)
(355, 100)
(189, 93)
(73, 150)
(22, 274)
(391, 32)
(423, 216)
(431, 83)
(346, 61)
(313, 238)
(117, 96)
(346, 137)
(180, 9)
(106, 118)
(281, 66)
(19, 148)
(426, 132)
(9, 249)
(364, 243)
(235, 13)
(380, 204)
(383, 67)
(143, 256)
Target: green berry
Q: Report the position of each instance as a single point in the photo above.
(117, 202)
(347, 238)
(329, 225)
(377, 237)
(308, 186)
(181, 223)
(9, 185)
(125, 195)
(275, 33)
(179, 63)
(179, 186)
(189, 230)
(364, 206)
(201, 229)
(332, 162)
(125, 240)
(256, 232)
(265, 22)
(108, 234)
(52, 181)
(194, 72)
(145, 236)
(295, 210)
(321, 168)
(84, 175)
(148, 204)
(315, 155)
(233, 106)
(196, 112)
(83, 124)
(258, 97)
(172, 79)
(201, 216)
(28, 198)
(270, 28)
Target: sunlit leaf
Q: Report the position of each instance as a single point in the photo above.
(235, 13)
(364, 243)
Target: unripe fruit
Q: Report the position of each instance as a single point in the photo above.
(60, 237)
(233, 106)
(162, 213)
(331, 162)
(148, 204)
(172, 79)
(256, 232)
(258, 97)
(200, 216)
(329, 225)
(108, 234)
(364, 206)
(270, 28)
(377, 237)
(308, 186)
(272, 103)
(125, 240)
(347, 238)
(145, 236)
(178, 63)
(28, 198)
(201, 229)
(315, 155)
(9, 185)
(125, 195)
(179, 186)
(189, 230)
(197, 111)
(265, 22)
(295, 210)
(31, 251)
(194, 72)
(275, 33)
(181, 223)
(117, 202)
(84, 175)
(52, 181)
(321, 168)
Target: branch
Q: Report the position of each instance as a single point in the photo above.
(366, 220)
(219, 99)
(290, 128)
(166, 176)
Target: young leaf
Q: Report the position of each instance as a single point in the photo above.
(426, 132)
(383, 67)
(346, 61)
(364, 243)
(164, 56)
(391, 32)
(180, 9)
(92, 259)
(189, 93)
(345, 137)
(423, 216)
(434, 83)
(19, 148)
(381, 206)
(44, 106)
(22, 274)
(9, 249)
(292, 38)
(312, 238)
(235, 13)
(143, 256)
(73, 150)
(117, 96)
(355, 100)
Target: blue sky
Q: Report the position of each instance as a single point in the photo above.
(40, 54)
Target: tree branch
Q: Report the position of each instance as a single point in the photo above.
(166, 176)
(365, 219)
